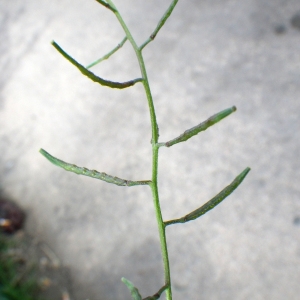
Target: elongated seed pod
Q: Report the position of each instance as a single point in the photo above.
(106, 5)
(201, 127)
(213, 202)
(91, 75)
(92, 173)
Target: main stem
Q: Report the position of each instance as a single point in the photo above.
(155, 148)
(160, 222)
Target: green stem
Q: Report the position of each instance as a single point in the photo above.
(155, 148)
(143, 72)
(156, 295)
(161, 224)
(108, 55)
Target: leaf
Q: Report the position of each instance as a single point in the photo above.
(91, 173)
(133, 290)
(200, 127)
(213, 202)
(91, 75)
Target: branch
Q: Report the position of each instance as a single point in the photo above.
(160, 24)
(201, 127)
(92, 173)
(213, 202)
(92, 76)
(108, 54)
(135, 294)
(158, 294)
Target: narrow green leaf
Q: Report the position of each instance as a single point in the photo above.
(92, 76)
(201, 127)
(91, 173)
(133, 290)
(106, 56)
(213, 202)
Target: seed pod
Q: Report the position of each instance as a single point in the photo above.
(91, 173)
(213, 202)
(201, 127)
(91, 75)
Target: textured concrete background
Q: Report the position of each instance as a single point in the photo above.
(209, 56)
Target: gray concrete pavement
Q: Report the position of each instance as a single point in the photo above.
(209, 56)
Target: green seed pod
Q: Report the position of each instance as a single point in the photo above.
(213, 202)
(91, 75)
(91, 173)
(201, 127)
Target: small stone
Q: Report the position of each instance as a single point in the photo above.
(44, 262)
(11, 217)
(45, 283)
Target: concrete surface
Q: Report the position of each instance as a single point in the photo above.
(209, 56)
